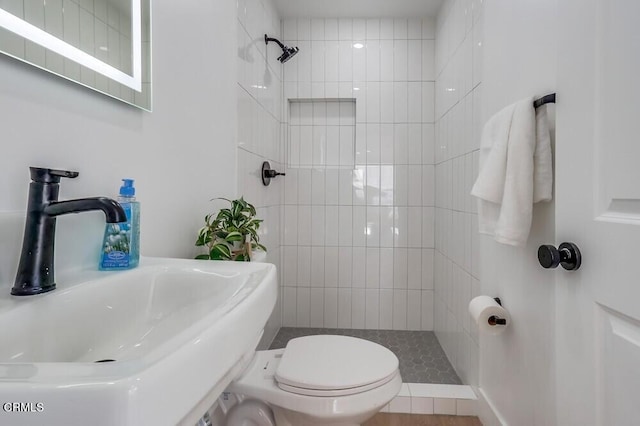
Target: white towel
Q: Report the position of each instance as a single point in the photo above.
(515, 171)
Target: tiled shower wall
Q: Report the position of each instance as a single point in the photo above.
(359, 234)
(458, 129)
(259, 123)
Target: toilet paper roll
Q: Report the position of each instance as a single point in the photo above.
(486, 311)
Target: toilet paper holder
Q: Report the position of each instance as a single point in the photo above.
(496, 320)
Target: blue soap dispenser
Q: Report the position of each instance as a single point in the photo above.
(121, 242)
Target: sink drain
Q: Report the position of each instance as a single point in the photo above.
(105, 360)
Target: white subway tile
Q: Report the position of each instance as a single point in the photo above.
(400, 141)
(373, 268)
(304, 29)
(345, 188)
(444, 406)
(317, 266)
(331, 29)
(400, 60)
(400, 310)
(401, 185)
(345, 226)
(372, 182)
(359, 29)
(345, 261)
(331, 267)
(372, 308)
(316, 309)
(386, 143)
(331, 186)
(421, 405)
(386, 60)
(358, 308)
(414, 57)
(386, 102)
(317, 60)
(414, 29)
(359, 226)
(318, 225)
(428, 269)
(291, 225)
(290, 29)
(428, 103)
(359, 269)
(386, 29)
(414, 185)
(290, 270)
(373, 29)
(290, 304)
(304, 225)
(303, 307)
(414, 312)
(386, 268)
(373, 60)
(346, 61)
(373, 102)
(347, 143)
(303, 59)
(427, 310)
(331, 307)
(386, 309)
(414, 103)
(386, 227)
(345, 29)
(344, 307)
(428, 143)
(428, 182)
(373, 143)
(428, 60)
(414, 269)
(332, 61)
(317, 29)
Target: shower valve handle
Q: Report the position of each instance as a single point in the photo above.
(268, 173)
(567, 254)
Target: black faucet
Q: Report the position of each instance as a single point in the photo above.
(35, 271)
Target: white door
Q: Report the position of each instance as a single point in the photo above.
(598, 208)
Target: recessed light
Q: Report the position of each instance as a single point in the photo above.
(358, 45)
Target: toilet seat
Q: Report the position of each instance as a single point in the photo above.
(329, 365)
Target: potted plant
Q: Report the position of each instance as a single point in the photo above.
(231, 234)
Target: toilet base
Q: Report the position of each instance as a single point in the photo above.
(286, 417)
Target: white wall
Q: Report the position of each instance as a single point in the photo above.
(517, 367)
(259, 92)
(358, 226)
(181, 155)
(458, 127)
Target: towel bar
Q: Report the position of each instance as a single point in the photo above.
(547, 99)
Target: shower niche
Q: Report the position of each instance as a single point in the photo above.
(322, 133)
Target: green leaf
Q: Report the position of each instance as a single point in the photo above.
(202, 257)
(220, 251)
(233, 236)
(240, 258)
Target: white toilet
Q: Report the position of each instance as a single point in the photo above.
(319, 380)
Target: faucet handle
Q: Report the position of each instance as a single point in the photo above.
(44, 175)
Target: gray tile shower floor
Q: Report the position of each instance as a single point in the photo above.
(422, 359)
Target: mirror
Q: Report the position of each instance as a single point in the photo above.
(102, 44)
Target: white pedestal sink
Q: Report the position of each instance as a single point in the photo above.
(178, 330)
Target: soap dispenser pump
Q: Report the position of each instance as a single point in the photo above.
(121, 242)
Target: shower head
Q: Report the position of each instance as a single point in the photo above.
(287, 52)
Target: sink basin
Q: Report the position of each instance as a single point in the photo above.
(178, 331)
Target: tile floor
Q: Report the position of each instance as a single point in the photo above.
(384, 419)
(422, 359)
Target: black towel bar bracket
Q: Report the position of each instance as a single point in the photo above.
(547, 99)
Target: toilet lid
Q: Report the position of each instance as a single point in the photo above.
(327, 362)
